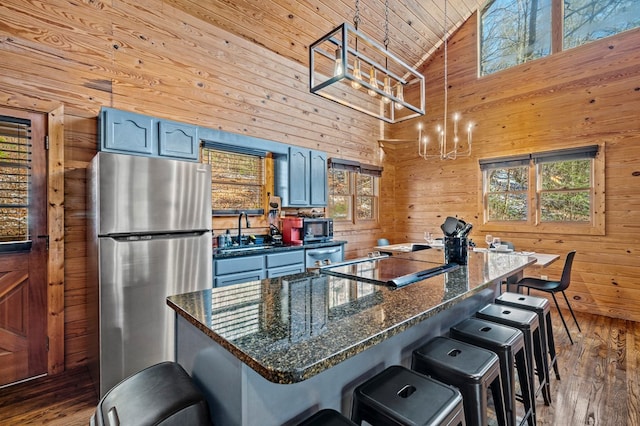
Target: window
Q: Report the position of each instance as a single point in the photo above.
(545, 191)
(15, 178)
(589, 20)
(237, 182)
(513, 32)
(353, 191)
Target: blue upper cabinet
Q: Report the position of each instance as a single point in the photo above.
(319, 180)
(299, 176)
(137, 134)
(306, 184)
(178, 140)
(127, 132)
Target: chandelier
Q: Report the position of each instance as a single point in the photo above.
(441, 136)
(350, 68)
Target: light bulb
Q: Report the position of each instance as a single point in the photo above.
(356, 73)
(373, 81)
(337, 66)
(387, 89)
(399, 95)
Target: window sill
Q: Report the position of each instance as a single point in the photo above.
(16, 247)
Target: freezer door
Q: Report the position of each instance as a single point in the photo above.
(140, 194)
(136, 325)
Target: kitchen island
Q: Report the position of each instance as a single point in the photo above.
(275, 351)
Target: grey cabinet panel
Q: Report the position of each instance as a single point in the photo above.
(127, 132)
(131, 133)
(286, 258)
(178, 140)
(221, 281)
(285, 270)
(319, 183)
(236, 265)
(299, 176)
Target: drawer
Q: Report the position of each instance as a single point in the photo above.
(238, 264)
(285, 258)
(224, 280)
(285, 270)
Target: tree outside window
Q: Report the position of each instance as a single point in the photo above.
(513, 32)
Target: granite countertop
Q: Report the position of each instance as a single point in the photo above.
(248, 250)
(291, 328)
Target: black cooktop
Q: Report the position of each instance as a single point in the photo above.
(391, 271)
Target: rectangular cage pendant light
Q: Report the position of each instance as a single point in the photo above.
(349, 68)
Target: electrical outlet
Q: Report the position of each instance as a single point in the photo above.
(544, 277)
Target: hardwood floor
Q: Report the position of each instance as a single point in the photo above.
(599, 382)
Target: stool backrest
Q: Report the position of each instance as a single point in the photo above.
(565, 280)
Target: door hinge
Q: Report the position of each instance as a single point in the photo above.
(46, 243)
(46, 142)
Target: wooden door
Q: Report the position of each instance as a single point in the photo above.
(23, 246)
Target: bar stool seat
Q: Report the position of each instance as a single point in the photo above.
(542, 307)
(508, 344)
(528, 323)
(161, 394)
(467, 367)
(399, 396)
(327, 417)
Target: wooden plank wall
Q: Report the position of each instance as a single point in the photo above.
(583, 96)
(146, 56)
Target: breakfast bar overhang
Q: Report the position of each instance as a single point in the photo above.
(277, 350)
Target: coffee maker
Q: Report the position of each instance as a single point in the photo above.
(274, 214)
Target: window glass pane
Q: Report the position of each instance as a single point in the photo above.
(365, 184)
(237, 180)
(514, 32)
(509, 179)
(566, 206)
(15, 175)
(340, 206)
(507, 207)
(365, 208)
(589, 20)
(566, 174)
(339, 182)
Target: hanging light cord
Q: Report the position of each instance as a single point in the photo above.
(386, 25)
(446, 74)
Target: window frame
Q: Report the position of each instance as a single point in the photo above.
(557, 35)
(353, 169)
(533, 224)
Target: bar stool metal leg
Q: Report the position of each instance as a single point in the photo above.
(542, 307)
(508, 344)
(467, 367)
(528, 323)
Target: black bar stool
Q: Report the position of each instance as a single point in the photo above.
(542, 307)
(327, 417)
(467, 367)
(508, 344)
(528, 323)
(161, 394)
(399, 396)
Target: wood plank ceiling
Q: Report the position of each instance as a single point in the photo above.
(288, 27)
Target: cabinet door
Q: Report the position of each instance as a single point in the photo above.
(299, 166)
(319, 182)
(224, 280)
(127, 132)
(178, 140)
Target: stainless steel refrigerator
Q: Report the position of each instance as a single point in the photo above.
(149, 237)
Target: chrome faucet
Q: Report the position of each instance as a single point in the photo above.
(246, 217)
